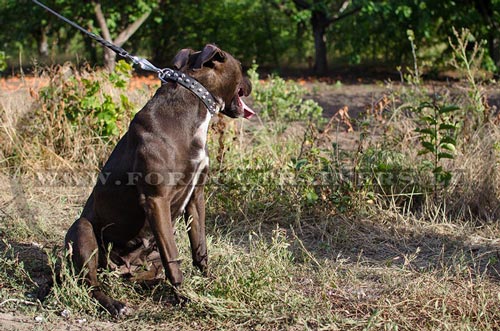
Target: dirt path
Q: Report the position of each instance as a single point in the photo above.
(16, 322)
(359, 97)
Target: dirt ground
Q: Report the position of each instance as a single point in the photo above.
(331, 94)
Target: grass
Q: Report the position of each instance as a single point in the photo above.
(291, 247)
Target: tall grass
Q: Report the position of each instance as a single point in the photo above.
(304, 231)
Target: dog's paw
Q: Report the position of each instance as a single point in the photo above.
(180, 299)
(117, 309)
(202, 265)
(114, 307)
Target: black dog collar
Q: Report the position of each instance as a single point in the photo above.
(193, 85)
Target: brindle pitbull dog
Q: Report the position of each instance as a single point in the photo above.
(154, 175)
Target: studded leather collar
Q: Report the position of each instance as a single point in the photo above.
(194, 86)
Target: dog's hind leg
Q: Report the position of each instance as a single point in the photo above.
(82, 245)
(195, 219)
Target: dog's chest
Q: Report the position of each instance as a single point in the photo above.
(199, 162)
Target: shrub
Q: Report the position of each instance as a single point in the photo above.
(84, 98)
(280, 100)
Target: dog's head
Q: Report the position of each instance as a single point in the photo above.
(221, 74)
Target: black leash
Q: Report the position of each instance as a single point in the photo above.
(165, 74)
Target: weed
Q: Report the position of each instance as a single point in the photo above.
(438, 137)
(13, 275)
(69, 290)
(469, 65)
(280, 100)
(84, 99)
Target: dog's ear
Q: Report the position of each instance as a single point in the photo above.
(182, 58)
(208, 56)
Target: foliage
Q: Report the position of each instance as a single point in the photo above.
(281, 33)
(437, 131)
(13, 273)
(3, 61)
(69, 290)
(469, 63)
(282, 101)
(250, 30)
(84, 99)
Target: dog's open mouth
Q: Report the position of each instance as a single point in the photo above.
(247, 111)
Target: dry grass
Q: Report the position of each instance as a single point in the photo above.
(277, 261)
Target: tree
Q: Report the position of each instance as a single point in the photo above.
(251, 30)
(124, 34)
(323, 14)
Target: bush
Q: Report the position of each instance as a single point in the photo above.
(83, 98)
(280, 100)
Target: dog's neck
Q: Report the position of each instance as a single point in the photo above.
(213, 103)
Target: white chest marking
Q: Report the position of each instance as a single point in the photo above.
(201, 161)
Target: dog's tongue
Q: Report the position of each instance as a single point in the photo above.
(248, 112)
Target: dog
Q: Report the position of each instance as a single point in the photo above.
(156, 174)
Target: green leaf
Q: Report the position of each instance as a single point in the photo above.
(426, 164)
(431, 132)
(444, 177)
(437, 170)
(425, 105)
(447, 127)
(311, 197)
(300, 164)
(428, 119)
(445, 156)
(429, 146)
(449, 140)
(447, 109)
(448, 146)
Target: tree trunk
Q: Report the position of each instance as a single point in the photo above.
(109, 59)
(319, 23)
(43, 44)
(109, 55)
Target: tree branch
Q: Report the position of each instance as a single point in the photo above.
(102, 22)
(131, 29)
(344, 15)
(302, 4)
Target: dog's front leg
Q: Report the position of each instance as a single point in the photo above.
(195, 218)
(160, 220)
